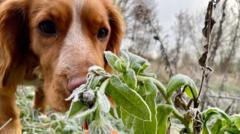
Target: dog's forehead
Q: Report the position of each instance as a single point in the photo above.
(91, 7)
(75, 34)
(78, 4)
(85, 9)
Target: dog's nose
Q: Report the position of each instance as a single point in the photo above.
(75, 82)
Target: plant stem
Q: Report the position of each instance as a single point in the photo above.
(159, 85)
(162, 90)
(175, 112)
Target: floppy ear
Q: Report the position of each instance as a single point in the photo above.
(14, 41)
(117, 31)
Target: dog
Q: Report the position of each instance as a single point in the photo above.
(60, 39)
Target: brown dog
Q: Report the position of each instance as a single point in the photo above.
(61, 37)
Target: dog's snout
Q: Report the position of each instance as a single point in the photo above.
(75, 82)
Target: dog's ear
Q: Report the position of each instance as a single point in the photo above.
(14, 41)
(117, 31)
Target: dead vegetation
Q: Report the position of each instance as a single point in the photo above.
(179, 53)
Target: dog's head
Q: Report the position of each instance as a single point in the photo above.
(63, 37)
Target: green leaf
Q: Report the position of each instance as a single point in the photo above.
(163, 113)
(96, 70)
(207, 114)
(127, 119)
(178, 81)
(191, 92)
(76, 107)
(100, 126)
(217, 113)
(148, 127)
(102, 99)
(114, 62)
(128, 99)
(216, 127)
(236, 120)
(75, 94)
(130, 78)
(137, 63)
(119, 66)
(111, 58)
(96, 81)
(126, 58)
(232, 130)
(80, 110)
(150, 75)
(205, 130)
(104, 103)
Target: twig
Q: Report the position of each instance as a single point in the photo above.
(229, 107)
(201, 86)
(220, 32)
(209, 23)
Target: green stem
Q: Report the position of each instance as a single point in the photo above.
(102, 89)
(159, 85)
(162, 90)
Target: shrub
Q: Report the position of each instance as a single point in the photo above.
(133, 101)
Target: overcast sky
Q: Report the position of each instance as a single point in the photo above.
(169, 8)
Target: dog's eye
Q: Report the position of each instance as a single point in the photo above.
(47, 27)
(102, 33)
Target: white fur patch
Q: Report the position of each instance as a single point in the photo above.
(75, 35)
(74, 40)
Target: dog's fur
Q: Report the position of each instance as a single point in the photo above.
(62, 58)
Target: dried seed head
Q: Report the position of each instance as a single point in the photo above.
(88, 97)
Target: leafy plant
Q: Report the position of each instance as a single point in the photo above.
(35, 123)
(143, 104)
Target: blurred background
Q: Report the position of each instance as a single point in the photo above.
(169, 34)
